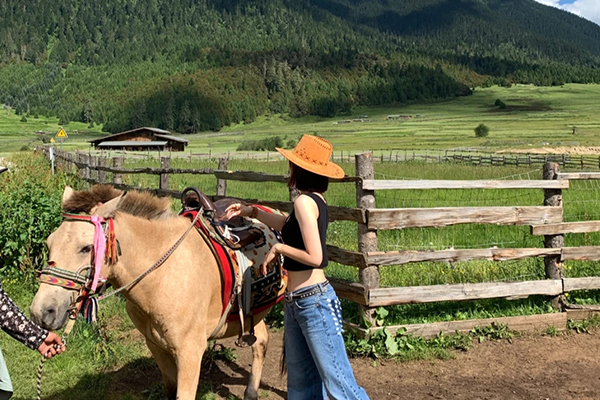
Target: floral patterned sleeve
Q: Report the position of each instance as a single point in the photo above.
(16, 324)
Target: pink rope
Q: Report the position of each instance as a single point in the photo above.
(99, 249)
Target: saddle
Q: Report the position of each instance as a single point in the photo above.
(235, 233)
(238, 245)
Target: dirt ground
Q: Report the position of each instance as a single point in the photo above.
(533, 367)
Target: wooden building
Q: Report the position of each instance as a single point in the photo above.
(141, 139)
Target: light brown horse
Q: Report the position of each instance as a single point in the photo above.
(176, 307)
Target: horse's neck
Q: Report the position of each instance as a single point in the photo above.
(142, 242)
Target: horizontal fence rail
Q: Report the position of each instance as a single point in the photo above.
(544, 220)
(402, 218)
(370, 184)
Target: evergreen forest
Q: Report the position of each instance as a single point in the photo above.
(198, 65)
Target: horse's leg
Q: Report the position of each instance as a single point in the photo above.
(189, 358)
(168, 368)
(259, 351)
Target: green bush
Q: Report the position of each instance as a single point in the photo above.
(267, 144)
(30, 197)
(23, 119)
(500, 104)
(482, 130)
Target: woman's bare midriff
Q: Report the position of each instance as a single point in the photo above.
(299, 279)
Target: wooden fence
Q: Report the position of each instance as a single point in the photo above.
(570, 161)
(546, 220)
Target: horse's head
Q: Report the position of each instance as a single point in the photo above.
(71, 250)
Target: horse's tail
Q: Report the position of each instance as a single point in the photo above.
(282, 362)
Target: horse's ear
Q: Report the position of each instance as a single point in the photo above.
(109, 209)
(67, 194)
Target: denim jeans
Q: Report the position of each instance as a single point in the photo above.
(316, 357)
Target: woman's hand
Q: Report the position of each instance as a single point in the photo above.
(271, 255)
(51, 346)
(236, 210)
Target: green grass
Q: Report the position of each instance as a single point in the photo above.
(534, 115)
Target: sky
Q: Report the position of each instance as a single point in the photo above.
(589, 9)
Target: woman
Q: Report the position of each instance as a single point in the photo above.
(316, 357)
(16, 324)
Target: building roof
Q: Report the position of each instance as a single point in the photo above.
(155, 130)
(130, 143)
(172, 138)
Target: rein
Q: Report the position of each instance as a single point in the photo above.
(106, 248)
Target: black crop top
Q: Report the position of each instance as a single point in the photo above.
(292, 236)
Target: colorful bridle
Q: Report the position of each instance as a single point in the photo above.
(87, 279)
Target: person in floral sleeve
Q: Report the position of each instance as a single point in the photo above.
(17, 325)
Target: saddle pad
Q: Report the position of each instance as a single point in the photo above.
(260, 292)
(227, 266)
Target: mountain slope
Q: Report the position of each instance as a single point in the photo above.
(192, 65)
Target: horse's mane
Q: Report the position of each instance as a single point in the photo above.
(135, 203)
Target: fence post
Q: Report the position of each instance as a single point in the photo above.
(165, 163)
(101, 174)
(222, 183)
(117, 178)
(93, 172)
(367, 239)
(553, 263)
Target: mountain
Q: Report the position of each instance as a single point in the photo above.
(191, 65)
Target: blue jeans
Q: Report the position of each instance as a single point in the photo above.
(316, 357)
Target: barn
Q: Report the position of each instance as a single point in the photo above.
(141, 139)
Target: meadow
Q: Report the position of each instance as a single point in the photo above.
(533, 117)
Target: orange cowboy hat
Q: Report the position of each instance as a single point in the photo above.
(313, 154)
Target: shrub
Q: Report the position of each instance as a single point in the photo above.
(482, 130)
(30, 198)
(23, 119)
(267, 144)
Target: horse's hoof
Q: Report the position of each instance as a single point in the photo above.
(245, 341)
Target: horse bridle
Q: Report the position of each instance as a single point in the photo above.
(87, 278)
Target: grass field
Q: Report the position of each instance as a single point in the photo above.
(533, 115)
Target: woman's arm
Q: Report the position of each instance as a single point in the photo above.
(17, 325)
(307, 213)
(274, 221)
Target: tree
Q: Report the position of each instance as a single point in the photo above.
(482, 130)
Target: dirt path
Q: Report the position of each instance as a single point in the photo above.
(532, 368)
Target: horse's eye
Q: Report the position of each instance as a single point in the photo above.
(86, 249)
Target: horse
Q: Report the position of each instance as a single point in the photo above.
(176, 307)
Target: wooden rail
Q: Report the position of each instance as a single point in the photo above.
(565, 227)
(402, 218)
(370, 184)
(579, 175)
(451, 255)
(461, 292)
(520, 323)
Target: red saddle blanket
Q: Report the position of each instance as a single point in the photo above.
(258, 292)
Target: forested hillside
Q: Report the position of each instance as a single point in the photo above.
(193, 65)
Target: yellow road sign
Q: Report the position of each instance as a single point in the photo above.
(61, 133)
